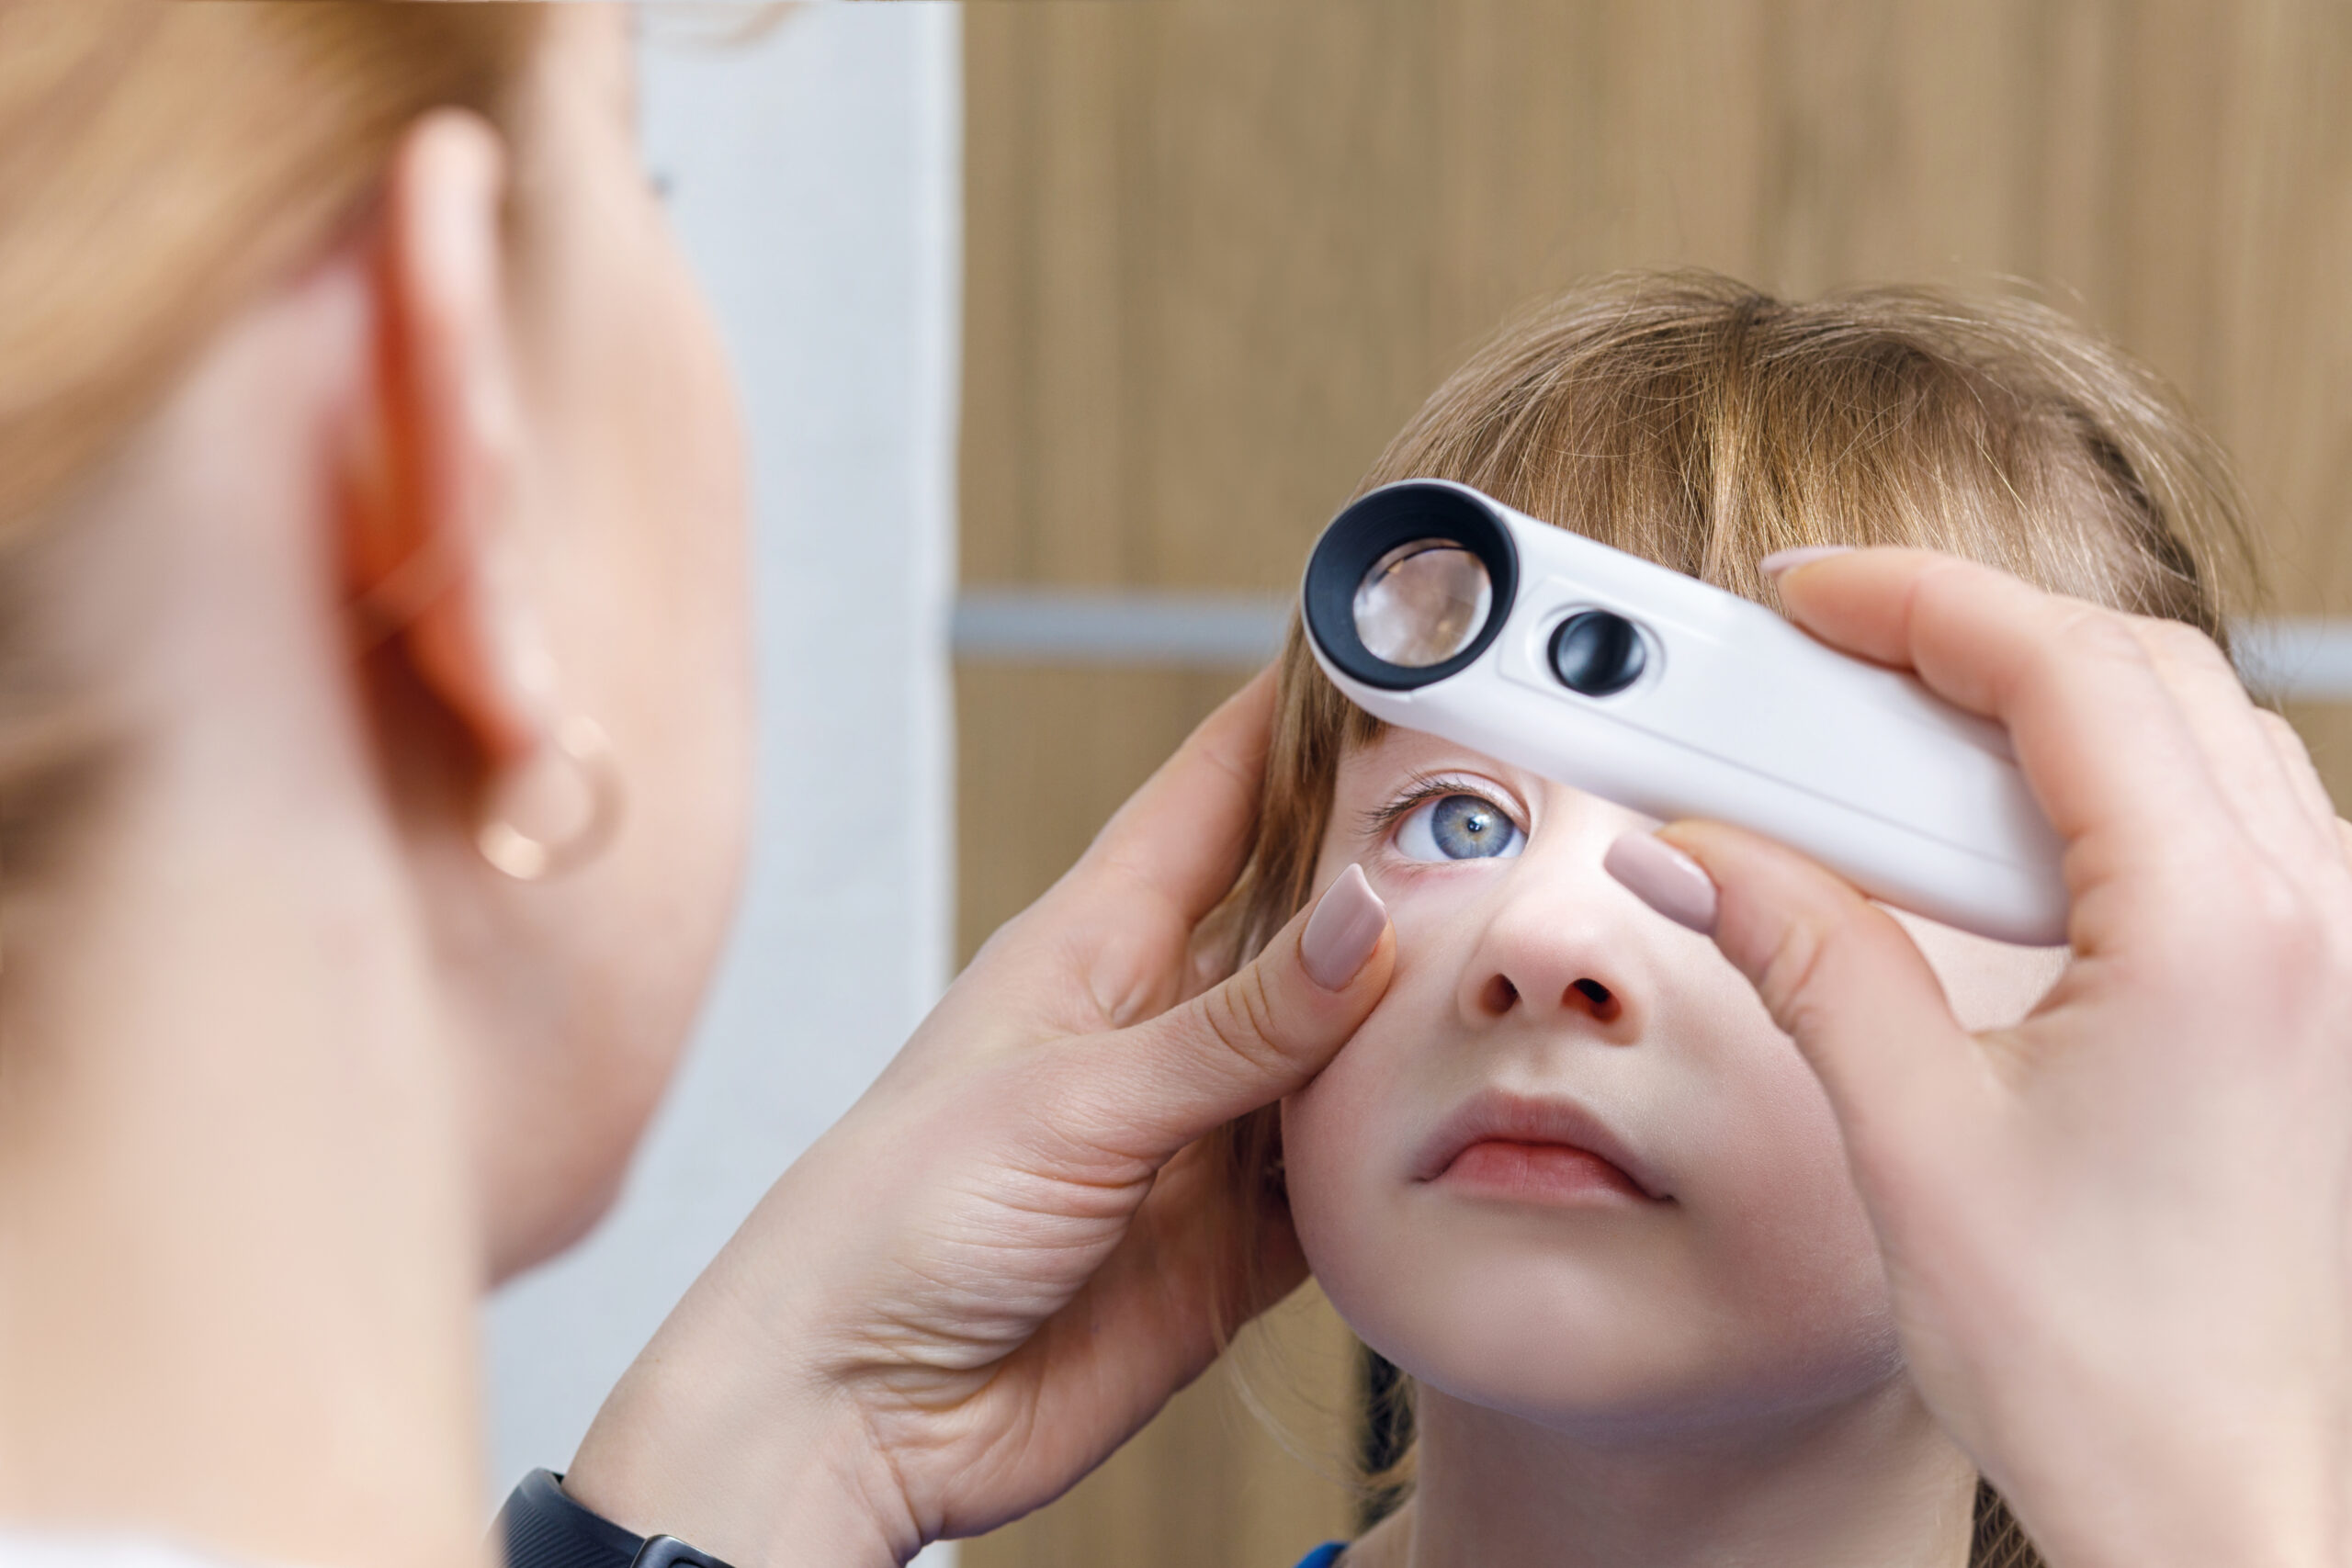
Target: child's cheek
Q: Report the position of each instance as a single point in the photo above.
(1432, 905)
(1777, 1221)
(1347, 1139)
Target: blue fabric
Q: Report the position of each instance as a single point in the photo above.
(1324, 1555)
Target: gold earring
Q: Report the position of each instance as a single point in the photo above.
(556, 812)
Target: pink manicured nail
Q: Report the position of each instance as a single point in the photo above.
(1342, 931)
(1664, 878)
(1781, 561)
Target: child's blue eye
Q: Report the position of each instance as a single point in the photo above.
(1457, 827)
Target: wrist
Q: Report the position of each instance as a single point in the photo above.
(721, 1458)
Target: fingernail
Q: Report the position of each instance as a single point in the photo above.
(1342, 931)
(1780, 562)
(1664, 878)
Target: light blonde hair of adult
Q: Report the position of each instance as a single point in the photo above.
(1698, 422)
(161, 164)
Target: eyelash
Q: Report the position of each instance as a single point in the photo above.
(1382, 820)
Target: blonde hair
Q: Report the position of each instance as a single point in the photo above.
(1703, 424)
(160, 164)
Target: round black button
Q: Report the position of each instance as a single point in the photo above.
(1597, 654)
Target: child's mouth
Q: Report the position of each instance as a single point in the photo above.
(1541, 1172)
(1506, 1145)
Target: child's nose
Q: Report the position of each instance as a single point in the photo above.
(1541, 963)
(1584, 993)
(1553, 947)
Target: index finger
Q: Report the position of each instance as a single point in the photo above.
(1180, 839)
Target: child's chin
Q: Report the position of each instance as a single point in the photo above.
(1607, 1380)
(1578, 1381)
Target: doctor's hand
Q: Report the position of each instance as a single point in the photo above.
(1016, 1246)
(2119, 1234)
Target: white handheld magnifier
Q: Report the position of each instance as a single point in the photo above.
(1440, 609)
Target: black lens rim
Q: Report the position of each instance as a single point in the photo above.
(1375, 524)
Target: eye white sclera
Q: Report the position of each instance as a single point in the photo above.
(1422, 602)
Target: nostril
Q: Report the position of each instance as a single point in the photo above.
(1596, 1000)
(1499, 996)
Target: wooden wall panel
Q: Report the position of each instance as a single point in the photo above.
(1043, 755)
(1218, 250)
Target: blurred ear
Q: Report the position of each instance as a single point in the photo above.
(432, 523)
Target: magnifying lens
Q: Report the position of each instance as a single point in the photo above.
(1421, 603)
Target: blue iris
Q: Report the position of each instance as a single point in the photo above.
(1458, 827)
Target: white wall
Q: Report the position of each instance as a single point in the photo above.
(815, 175)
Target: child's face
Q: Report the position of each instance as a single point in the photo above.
(1568, 1169)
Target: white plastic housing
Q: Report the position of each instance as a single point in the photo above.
(1741, 717)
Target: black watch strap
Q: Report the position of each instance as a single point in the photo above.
(541, 1527)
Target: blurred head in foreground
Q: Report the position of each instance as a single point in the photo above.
(370, 548)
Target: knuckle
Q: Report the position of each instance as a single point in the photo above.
(2086, 631)
(2288, 741)
(2181, 654)
(2259, 928)
(2179, 642)
(2076, 637)
(2279, 916)
(1241, 1020)
(1790, 981)
(1945, 583)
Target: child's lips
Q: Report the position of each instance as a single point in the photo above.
(1516, 1143)
(1557, 1172)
